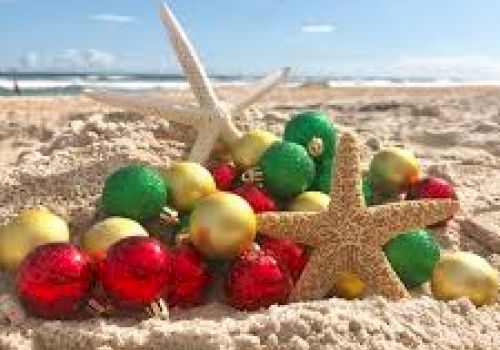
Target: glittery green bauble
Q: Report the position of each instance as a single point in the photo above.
(287, 169)
(368, 194)
(413, 256)
(306, 126)
(137, 192)
(323, 180)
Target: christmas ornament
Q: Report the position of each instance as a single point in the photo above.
(256, 281)
(248, 150)
(310, 201)
(31, 228)
(224, 175)
(212, 118)
(413, 256)
(349, 236)
(188, 182)
(222, 225)
(102, 235)
(135, 191)
(54, 280)
(258, 198)
(464, 274)
(290, 255)
(287, 169)
(393, 171)
(315, 131)
(135, 272)
(368, 192)
(191, 277)
(431, 187)
(349, 286)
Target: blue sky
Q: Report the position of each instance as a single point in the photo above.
(342, 37)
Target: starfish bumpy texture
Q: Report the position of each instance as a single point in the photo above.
(348, 236)
(212, 118)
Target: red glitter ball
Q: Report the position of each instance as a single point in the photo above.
(191, 277)
(224, 175)
(54, 280)
(258, 198)
(432, 187)
(256, 280)
(135, 271)
(288, 254)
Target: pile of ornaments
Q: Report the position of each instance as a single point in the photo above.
(172, 233)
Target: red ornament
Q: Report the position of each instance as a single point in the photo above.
(256, 280)
(224, 175)
(135, 272)
(258, 198)
(54, 280)
(191, 277)
(288, 254)
(432, 187)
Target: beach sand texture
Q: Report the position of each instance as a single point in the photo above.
(57, 151)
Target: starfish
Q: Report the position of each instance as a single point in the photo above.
(348, 236)
(211, 117)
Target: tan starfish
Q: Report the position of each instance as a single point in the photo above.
(212, 118)
(349, 236)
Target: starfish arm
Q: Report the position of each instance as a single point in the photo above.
(317, 278)
(389, 220)
(147, 105)
(188, 59)
(293, 225)
(260, 89)
(203, 146)
(379, 276)
(346, 180)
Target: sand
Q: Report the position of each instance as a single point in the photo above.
(56, 151)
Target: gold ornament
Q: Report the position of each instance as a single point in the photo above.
(349, 286)
(310, 201)
(105, 233)
(222, 225)
(31, 228)
(188, 182)
(249, 148)
(464, 274)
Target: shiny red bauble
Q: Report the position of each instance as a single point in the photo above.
(224, 175)
(135, 272)
(432, 187)
(54, 280)
(190, 277)
(288, 254)
(256, 280)
(258, 198)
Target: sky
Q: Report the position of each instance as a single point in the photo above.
(458, 38)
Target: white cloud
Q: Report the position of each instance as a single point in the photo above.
(318, 28)
(460, 66)
(70, 59)
(112, 18)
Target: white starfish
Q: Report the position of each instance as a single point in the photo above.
(212, 118)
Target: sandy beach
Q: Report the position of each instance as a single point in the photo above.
(57, 151)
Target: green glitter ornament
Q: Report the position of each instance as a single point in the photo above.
(137, 192)
(315, 131)
(368, 194)
(413, 256)
(287, 169)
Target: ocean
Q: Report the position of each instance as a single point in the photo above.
(40, 84)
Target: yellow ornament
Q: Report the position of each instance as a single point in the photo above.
(250, 147)
(393, 170)
(31, 228)
(105, 233)
(222, 225)
(349, 286)
(464, 274)
(310, 201)
(188, 182)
